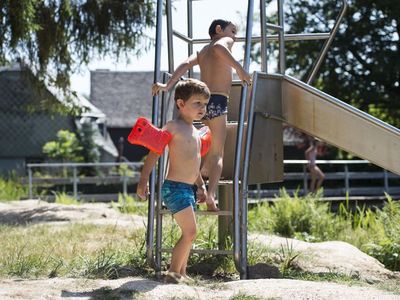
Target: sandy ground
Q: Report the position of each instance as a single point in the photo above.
(33, 211)
(140, 288)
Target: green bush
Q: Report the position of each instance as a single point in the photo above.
(11, 189)
(376, 232)
(289, 217)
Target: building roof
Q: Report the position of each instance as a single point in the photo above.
(24, 126)
(122, 96)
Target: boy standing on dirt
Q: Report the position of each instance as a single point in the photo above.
(216, 62)
(191, 98)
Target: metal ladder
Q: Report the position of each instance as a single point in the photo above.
(240, 176)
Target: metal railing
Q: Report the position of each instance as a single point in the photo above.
(71, 175)
(347, 181)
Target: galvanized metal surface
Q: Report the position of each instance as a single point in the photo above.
(340, 124)
(266, 151)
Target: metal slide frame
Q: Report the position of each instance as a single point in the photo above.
(240, 180)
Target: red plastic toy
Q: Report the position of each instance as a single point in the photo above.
(146, 134)
(205, 137)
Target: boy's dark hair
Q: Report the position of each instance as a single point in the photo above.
(215, 23)
(187, 88)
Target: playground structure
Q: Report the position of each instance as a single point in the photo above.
(254, 144)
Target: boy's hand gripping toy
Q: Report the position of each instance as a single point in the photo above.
(205, 137)
(146, 134)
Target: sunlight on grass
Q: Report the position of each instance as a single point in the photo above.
(72, 250)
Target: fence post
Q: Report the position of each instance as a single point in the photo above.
(386, 181)
(305, 179)
(75, 183)
(346, 179)
(30, 182)
(124, 186)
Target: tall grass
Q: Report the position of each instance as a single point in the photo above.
(11, 189)
(74, 250)
(376, 232)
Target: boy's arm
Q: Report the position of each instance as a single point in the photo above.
(222, 49)
(148, 166)
(178, 73)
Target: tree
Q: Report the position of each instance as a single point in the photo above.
(362, 67)
(56, 37)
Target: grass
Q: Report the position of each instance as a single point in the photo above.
(130, 205)
(74, 250)
(89, 251)
(65, 199)
(11, 189)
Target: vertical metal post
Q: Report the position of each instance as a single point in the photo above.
(160, 177)
(263, 24)
(259, 192)
(246, 163)
(346, 179)
(225, 228)
(170, 37)
(281, 34)
(190, 30)
(150, 215)
(124, 187)
(30, 182)
(75, 182)
(239, 244)
(386, 180)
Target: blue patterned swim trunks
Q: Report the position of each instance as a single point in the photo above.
(178, 195)
(217, 106)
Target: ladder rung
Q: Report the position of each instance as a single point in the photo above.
(203, 212)
(202, 251)
(274, 27)
(225, 182)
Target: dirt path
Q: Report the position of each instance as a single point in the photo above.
(34, 212)
(139, 288)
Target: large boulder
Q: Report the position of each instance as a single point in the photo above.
(328, 257)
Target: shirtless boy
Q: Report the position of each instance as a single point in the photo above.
(216, 62)
(191, 98)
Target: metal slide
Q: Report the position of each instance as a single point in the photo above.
(340, 124)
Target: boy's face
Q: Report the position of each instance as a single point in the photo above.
(195, 108)
(230, 31)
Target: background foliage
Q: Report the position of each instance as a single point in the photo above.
(362, 67)
(56, 37)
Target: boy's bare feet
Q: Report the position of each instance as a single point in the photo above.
(211, 206)
(186, 279)
(173, 277)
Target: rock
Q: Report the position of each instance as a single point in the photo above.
(329, 257)
(261, 270)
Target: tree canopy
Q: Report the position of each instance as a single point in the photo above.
(56, 37)
(363, 64)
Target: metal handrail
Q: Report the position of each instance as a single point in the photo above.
(98, 164)
(327, 44)
(272, 37)
(151, 204)
(240, 254)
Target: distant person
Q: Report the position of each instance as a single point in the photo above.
(317, 176)
(216, 62)
(178, 190)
